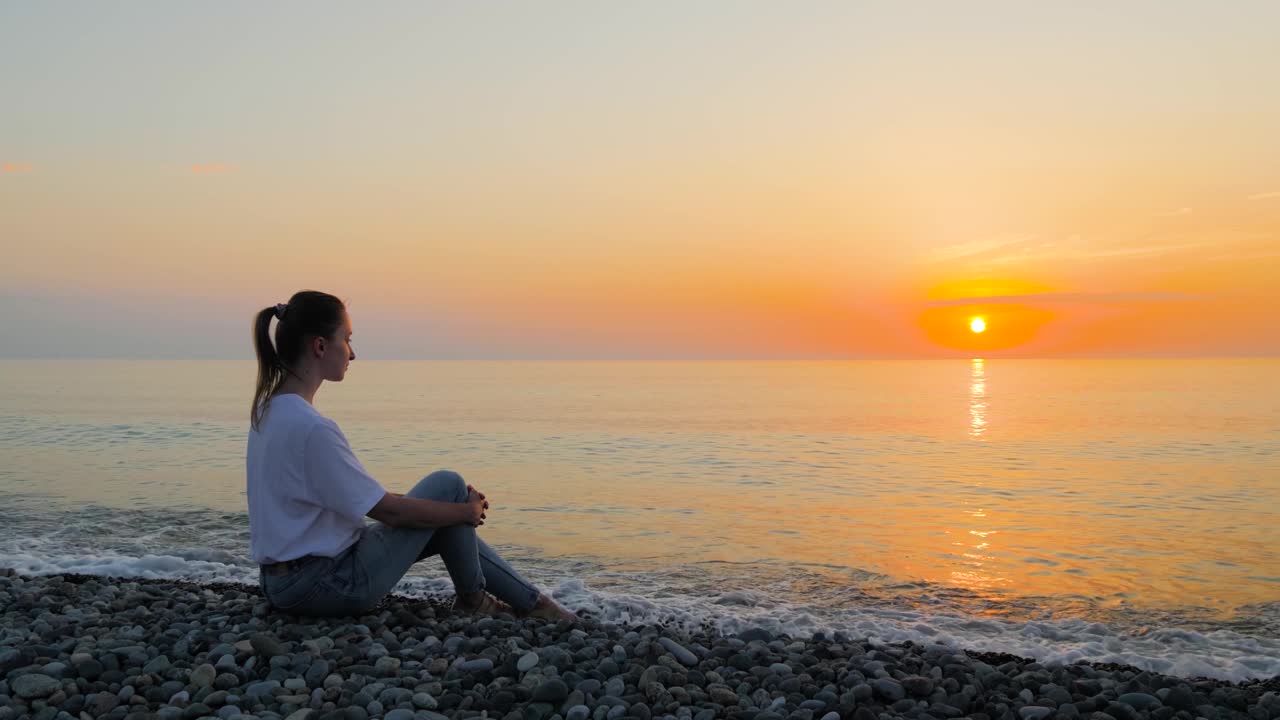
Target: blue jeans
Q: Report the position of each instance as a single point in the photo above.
(355, 581)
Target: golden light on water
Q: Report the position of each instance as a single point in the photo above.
(977, 324)
(977, 398)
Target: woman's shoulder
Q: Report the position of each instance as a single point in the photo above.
(289, 412)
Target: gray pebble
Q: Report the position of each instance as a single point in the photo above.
(1034, 712)
(679, 651)
(261, 689)
(755, 634)
(1139, 701)
(917, 685)
(10, 659)
(889, 689)
(478, 665)
(590, 686)
(202, 676)
(89, 669)
(30, 687)
(265, 645)
(551, 691)
(527, 661)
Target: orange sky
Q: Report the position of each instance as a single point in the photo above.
(740, 180)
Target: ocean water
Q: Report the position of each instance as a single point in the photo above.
(1103, 510)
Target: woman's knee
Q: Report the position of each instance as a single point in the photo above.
(445, 485)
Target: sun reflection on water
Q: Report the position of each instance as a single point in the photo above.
(974, 574)
(977, 398)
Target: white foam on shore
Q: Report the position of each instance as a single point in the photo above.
(1220, 654)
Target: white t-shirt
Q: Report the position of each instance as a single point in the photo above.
(308, 494)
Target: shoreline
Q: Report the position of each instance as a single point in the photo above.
(143, 649)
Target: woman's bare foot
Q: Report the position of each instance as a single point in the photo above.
(548, 609)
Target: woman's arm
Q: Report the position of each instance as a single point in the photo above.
(401, 511)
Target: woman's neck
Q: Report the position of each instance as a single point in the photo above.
(304, 387)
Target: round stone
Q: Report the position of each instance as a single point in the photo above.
(202, 676)
(889, 689)
(265, 645)
(679, 651)
(1139, 701)
(157, 665)
(477, 665)
(31, 687)
(527, 661)
(917, 685)
(551, 691)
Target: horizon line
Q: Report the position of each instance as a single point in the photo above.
(863, 358)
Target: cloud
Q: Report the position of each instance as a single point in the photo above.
(13, 168)
(1067, 298)
(1266, 195)
(977, 248)
(211, 169)
(1009, 250)
(1175, 213)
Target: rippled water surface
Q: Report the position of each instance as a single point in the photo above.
(1133, 492)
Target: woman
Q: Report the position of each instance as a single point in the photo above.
(308, 494)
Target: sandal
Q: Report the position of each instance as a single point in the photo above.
(488, 605)
(551, 611)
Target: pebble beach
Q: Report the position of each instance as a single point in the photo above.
(76, 647)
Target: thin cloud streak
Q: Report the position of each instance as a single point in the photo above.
(1031, 249)
(15, 168)
(1067, 298)
(211, 169)
(976, 248)
(1265, 195)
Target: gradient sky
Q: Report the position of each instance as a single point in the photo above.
(644, 180)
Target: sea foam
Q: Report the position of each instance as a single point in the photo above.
(1220, 654)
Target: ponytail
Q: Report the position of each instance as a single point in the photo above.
(270, 372)
(308, 314)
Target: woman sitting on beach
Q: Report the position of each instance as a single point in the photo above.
(308, 494)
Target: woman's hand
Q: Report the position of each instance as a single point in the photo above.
(476, 505)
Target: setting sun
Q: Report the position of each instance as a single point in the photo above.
(977, 325)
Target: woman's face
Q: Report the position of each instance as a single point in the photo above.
(338, 352)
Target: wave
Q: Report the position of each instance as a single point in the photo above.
(1223, 653)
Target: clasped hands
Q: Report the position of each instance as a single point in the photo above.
(476, 505)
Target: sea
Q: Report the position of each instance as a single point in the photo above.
(1118, 511)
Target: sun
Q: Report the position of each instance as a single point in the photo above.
(977, 324)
